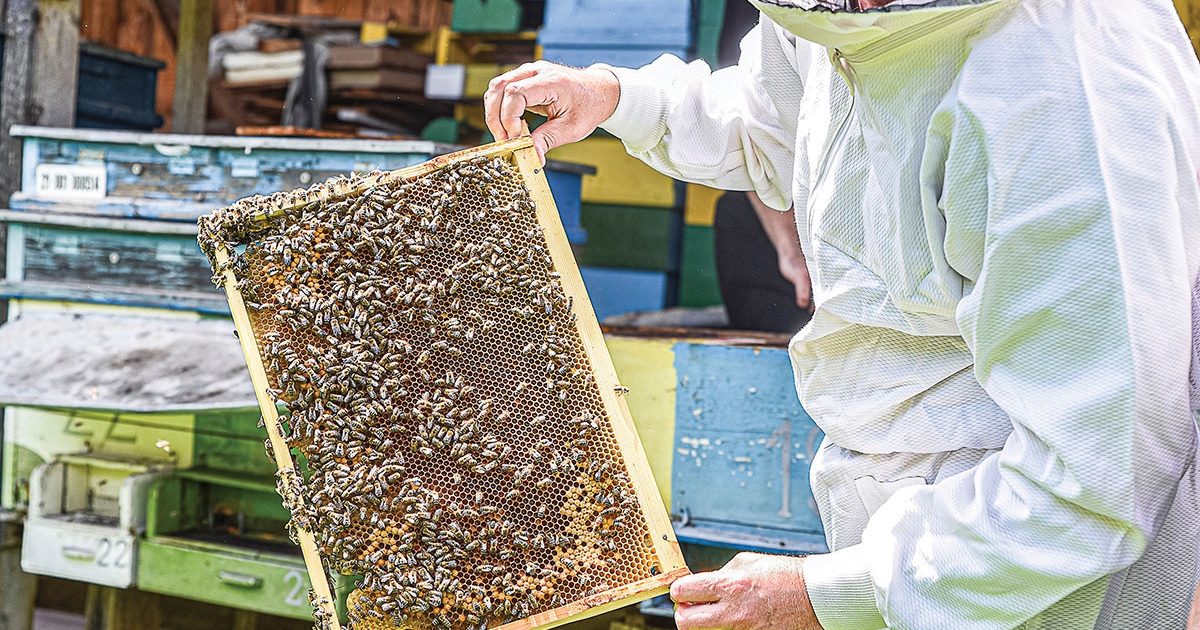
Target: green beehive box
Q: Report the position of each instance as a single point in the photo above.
(630, 237)
(698, 272)
(486, 16)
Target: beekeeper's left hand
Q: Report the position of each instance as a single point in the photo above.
(753, 591)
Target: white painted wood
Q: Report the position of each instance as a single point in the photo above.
(137, 226)
(165, 142)
(79, 551)
(65, 535)
(14, 263)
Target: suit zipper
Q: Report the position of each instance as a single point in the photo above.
(844, 65)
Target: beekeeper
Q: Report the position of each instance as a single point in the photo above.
(1000, 207)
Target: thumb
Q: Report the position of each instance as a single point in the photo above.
(550, 135)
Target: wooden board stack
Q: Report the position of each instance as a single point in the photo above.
(465, 444)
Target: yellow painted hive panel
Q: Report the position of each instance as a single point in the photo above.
(465, 445)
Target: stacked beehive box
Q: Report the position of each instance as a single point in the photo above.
(128, 367)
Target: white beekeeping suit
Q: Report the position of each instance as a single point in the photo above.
(999, 203)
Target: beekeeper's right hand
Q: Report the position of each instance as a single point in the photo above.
(575, 100)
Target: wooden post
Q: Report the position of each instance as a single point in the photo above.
(244, 620)
(41, 70)
(191, 66)
(19, 22)
(108, 608)
(17, 595)
(55, 63)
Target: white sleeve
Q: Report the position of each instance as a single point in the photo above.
(733, 129)
(1080, 325)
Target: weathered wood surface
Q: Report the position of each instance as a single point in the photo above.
(743, 446)
(19, 588)
(87, 221)
(115, 259)
(127, 363)
(19, 26)
(149, 169)
(191, 70)
(55, 64)
(76, 294)
(108, 608)
(647, 366)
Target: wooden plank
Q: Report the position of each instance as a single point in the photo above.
(308, 19)
(744, 445)
(244, 620)
(279, 45)
(620, 178)
(369, 57)
(20, 588)
(14, 106)
(701, 205)
(251, 580)
(125, 296)
(648, 365)
(593, 341)
(162, 48)
(167, 14)
(99, 20)
(248, 144)
(108, 608)
(628, 237)
(378, 78)
(136, 226)
(698, 286)
(55, 63)
(118, 261)
(191, 74)
(135, 27)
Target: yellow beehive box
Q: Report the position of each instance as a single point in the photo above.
(620, 178)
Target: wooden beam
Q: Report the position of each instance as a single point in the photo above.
(41, 68)
(244, 620)
(20, 588)
(55, 63)
(191, 69)
(107, 608)
(19, 24)
(167, 13)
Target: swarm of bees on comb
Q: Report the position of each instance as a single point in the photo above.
(456, 450)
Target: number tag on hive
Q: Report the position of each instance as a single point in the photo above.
(72, 181)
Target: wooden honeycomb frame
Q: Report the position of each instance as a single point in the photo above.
(520, 154)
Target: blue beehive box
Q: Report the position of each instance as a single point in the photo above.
(617, 291)
(645, 23)
(621, 57)
(628, 33)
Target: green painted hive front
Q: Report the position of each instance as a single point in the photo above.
(454, 431)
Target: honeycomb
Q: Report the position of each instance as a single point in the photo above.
(455, 449)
